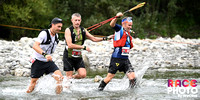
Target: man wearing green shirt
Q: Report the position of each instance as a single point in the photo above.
(75, 36)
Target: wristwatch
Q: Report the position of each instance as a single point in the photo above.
(105, 38)
(84, 48)
(44, 54)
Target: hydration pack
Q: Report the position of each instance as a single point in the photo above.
(73, 34)
(48, 41)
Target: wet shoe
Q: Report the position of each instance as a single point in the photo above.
(132, 83)
(102, 86)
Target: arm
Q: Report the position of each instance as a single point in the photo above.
(96, 39)
(36, 47)
(91, 37)
(68, 39)
(113, 22)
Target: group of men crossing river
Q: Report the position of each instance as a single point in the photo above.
(75, 36)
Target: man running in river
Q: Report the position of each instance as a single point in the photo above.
(42, 60)
(75, 36)
(122, 45)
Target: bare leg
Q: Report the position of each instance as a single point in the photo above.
(69, 74)
(32, 85)
(81, 73)
(59, 78)
(109, 77)
(130, 75)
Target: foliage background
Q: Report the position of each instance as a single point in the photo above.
(165, 18)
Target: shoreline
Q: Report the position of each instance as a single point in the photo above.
(174, 52)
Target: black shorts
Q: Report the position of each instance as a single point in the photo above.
(121, 65)
(39, 68)
(72, 63)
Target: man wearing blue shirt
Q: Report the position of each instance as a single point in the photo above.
(122, 45)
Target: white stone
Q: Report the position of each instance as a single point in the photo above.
(22, 72)
(27, 66)
(97, 78)
(4, 71)
(18, 72)
(1, 60)
(23, 40)
(162, 69)
(160, 53)
(24, 61)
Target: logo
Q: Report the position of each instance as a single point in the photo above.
(183, 88)
(117, 64)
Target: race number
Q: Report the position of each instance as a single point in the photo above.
(125, 51)
(76, 53)
(32, 60)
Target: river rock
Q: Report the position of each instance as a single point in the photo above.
(86, 60)
(22, 72)
(97, 78)
(4, 72)
(158, 53)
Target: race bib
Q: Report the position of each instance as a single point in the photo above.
(32, 60)
(76, 53)
(125, 51)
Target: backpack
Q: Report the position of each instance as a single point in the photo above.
(73, 35)
(48, 41)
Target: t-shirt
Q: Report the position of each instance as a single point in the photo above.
(45, 47)
(118, 34)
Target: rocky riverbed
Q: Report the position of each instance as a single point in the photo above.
(159, 53)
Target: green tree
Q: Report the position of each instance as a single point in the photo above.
(165, 18)
(27, 13)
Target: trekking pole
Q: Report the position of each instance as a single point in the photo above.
(108, 20)
(136, 7)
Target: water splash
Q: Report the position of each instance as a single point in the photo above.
(14, 91)
(85, 89)
(139, 73)
(46, 85)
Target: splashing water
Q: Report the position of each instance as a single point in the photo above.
(139, 73)
(15, 87)
(46, 85)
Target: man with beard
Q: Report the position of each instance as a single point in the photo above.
(42, 60)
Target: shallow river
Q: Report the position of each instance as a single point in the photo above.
(151, 88)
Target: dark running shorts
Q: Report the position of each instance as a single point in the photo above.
(72, 63)
(121, 65)
(39, 68)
